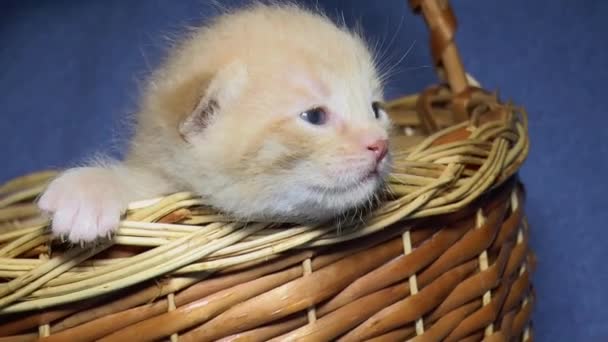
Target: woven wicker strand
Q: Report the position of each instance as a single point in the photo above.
(444, 257)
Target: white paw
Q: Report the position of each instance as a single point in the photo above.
(85, 203)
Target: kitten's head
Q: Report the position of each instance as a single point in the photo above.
(289, 126)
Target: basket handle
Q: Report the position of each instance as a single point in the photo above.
(442, 24)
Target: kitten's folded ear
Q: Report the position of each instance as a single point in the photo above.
(223, 89)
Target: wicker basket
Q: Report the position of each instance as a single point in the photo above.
(445, 258)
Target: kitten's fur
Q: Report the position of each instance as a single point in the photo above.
(222, 118)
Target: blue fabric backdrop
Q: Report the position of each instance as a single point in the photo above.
(69, 74)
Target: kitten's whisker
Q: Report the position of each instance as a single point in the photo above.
(389, 72)
(399, 71)
(390, 44)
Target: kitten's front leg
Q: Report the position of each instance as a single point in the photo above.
(87, 202)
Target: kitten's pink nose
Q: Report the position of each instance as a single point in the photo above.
(380, 149)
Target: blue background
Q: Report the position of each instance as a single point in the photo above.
(70, 73)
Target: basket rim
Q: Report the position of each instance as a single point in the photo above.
(428, 179)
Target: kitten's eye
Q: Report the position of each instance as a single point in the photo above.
(378, 110)
(316, 116)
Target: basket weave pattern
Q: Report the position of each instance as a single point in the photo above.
(445, 257)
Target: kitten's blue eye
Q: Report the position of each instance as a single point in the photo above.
(316, 116)
(377, 107)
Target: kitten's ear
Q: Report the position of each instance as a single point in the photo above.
(223, 89)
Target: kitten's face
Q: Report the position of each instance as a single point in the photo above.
(302, 143)
(296, 133)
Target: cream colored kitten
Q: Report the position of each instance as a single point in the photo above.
(269, 113)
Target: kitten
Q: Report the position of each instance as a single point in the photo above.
(270, 112)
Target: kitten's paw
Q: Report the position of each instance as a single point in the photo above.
(85, 204)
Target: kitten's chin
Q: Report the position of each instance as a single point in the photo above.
(299, 203)
(336, 201)
(372, 179)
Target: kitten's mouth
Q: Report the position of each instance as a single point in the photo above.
(372, 176)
